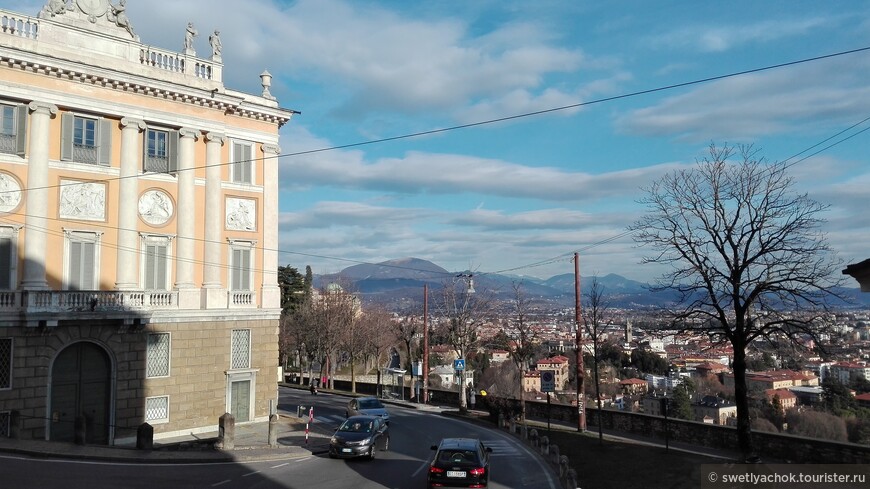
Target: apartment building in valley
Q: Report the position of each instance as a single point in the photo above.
(138, 232)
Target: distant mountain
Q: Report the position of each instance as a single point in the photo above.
(398, 283)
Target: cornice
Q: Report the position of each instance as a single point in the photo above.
(211, 99)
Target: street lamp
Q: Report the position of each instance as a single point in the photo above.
(469, 281)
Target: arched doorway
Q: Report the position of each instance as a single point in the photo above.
(81, 390)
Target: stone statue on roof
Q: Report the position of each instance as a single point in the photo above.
(118, 15)
(189, 34)
(55, 7)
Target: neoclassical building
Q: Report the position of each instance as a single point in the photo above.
(138, 232)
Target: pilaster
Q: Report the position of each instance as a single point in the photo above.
(271, 292)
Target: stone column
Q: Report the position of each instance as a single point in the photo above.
(37, 197)
(188, 296)
(270, 293)
(213, 293)
(126, 276)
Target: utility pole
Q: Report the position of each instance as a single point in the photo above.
(581, 409)
(425, 372)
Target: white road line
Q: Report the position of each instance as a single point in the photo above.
(252, 473)
(222, 483)
(278, 466)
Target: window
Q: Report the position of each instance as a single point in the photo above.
(240, 266)
(82, 258)
(8, 257)
(242, 168)
(157, 409)
(5, 424)
(5, 363)
(157, 355)
(85, 139)
(13, 119)
(240, 354)
(160, 151)
(155, 262)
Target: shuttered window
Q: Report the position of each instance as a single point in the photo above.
(155, 267)
(13, 136)
(243, 166)
(240, 269)
(85, 140)
(161, 153)
(82, 261)
(6, 264)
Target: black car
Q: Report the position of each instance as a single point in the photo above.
(459, 462)
(359, 436)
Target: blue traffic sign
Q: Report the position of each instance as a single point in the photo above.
(459, 364)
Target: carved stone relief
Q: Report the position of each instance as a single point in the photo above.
(82, 200)
(156, 207)
(10, 192)
(241, 214)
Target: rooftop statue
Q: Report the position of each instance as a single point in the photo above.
(55, 7)
(189, 34)
(118, 15)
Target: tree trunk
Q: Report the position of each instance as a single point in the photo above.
(741, 397)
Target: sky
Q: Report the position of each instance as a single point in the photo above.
(584, 118)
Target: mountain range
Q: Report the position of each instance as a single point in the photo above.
(399, 283)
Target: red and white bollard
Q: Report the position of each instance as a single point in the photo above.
(310, 420)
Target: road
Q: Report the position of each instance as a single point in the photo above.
(412, 432)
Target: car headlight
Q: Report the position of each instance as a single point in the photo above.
(333, 440)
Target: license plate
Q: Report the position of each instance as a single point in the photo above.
(455, 473)
(345, 450)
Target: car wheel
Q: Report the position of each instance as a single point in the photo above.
(331, 455)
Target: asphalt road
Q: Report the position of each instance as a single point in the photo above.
(412, 432)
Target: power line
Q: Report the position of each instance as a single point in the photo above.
(502, 119)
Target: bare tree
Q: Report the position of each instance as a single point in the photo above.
(378, 338)
(594, 313)
(406, 330)
(335, 310)
(521, 337)
(463, 311)
(745, 254)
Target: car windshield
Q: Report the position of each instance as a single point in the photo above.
(356, 426)
(370, 404)
(457, 456)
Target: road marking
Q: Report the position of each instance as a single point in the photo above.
(251, 473)
(279, 465)
(222, 483)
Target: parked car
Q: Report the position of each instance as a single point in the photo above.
(359, 436)
(369, 406)
(459, 462)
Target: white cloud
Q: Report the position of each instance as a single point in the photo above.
(748, 107)
(718, 38)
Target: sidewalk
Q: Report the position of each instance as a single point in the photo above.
(251, 444)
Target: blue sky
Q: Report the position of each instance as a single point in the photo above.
(507, 195)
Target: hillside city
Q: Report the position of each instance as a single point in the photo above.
(816, 388)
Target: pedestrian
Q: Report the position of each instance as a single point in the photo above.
(471, 399)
